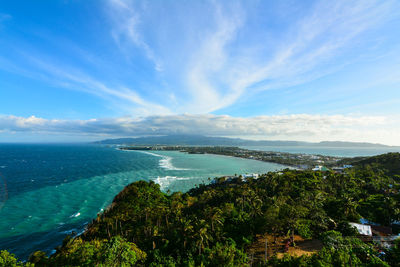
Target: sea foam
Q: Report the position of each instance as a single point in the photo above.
(95, 174)
(75, 215)
(165, 181)
(165, 162)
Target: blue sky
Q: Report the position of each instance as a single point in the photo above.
(295, 70)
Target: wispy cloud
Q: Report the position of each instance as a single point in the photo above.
(126, 21)
(222, 68)
(76, 79)
(218, 67)
(206, 56)
(211, 58)
(290, 127)
(329, 30)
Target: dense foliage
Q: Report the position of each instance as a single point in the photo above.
(388, 163)
(338, 251)
(77, 252)
(8, 260)
(214, 225)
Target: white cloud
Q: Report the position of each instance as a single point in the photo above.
(303, 127)
(309, 50)
(126, 21)
(222, 69)
(212, 58)
(219, 68)
(77, 80)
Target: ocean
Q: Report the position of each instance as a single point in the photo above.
(50, 191)
(328, 151)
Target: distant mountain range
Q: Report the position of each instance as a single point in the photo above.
(199, 140)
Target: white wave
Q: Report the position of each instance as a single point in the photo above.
(165, 162)
(149, 153)
(75, 215)
(3, 167)
(165, 181)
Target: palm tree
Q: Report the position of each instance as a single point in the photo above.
(201, 236)
(255, 204)
(215, 216)
(186, 230)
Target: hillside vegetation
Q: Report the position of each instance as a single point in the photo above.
(216, 224)
(388, 163)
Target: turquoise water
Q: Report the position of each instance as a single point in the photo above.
(48, 191)
(328, 151)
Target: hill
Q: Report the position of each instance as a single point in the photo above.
(389, 163)
(219, 224)
(200, 140)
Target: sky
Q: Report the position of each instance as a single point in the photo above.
(82, 70)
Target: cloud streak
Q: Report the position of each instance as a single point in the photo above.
(75, 79)
(289, 127)
(329, 30)
(126, 21)
(155, 60)
(207, 65)
(221, 68)
(212, 58)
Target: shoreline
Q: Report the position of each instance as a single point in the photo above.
(284, 166)
(295, 160)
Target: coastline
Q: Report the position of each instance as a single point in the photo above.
(294, 160)
(100, 173)
(240, 195)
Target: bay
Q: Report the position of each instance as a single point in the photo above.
(50, 191)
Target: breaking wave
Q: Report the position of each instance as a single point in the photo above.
(165, 162)
(166, 181)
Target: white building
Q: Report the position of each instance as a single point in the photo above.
(320, 168)
(251, 175)
(362, 229)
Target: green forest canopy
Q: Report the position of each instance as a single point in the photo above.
(213, 225)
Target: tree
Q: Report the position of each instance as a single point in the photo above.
(215, 217)
(201, 235)
(8, 260)
(226, 255)
(114, 252)
(394, 255)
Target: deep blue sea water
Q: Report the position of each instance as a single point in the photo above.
(48, 191)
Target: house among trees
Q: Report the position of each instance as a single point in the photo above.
(381, 230)
(363, 229)
(320, 168)
(381, 235)
(251, 175)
